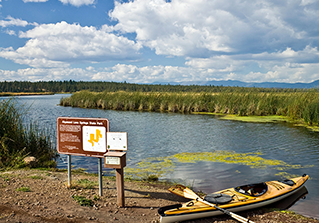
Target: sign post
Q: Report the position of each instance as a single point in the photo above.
(69, 171)
(116, 158)
(82, 137)
(100, 178)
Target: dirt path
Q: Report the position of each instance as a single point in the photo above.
(42, 196)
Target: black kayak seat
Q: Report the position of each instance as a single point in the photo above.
(218, 198)
(254, 190)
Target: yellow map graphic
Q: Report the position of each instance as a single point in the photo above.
(93, 139)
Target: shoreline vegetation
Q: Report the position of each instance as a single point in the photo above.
(20, 137)
(301, 107)
(7, 94)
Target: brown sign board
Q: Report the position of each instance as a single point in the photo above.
(82, 136)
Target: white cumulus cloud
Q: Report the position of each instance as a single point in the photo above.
(203, 28)
(10, 32)
(221, 39)
(78, 2)
(10, 21)
(287, 72)
(59, 44)
(35, 1)
(261, 40)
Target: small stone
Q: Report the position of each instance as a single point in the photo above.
(30, 161)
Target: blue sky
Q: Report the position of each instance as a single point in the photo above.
(147, 41)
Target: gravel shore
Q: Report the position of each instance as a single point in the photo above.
(42, 196)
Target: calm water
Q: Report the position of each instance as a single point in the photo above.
(165, 134)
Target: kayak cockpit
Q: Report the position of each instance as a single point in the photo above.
(254, 190)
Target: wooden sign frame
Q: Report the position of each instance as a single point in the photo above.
(82, 136)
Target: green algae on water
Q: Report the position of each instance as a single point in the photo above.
(248, 118)
(160, 166)
(264, 119)
(248, 159)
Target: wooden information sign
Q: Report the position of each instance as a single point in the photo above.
(82, 136)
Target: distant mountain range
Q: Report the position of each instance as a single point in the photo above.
(314, 84)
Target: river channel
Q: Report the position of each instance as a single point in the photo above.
(154, 138)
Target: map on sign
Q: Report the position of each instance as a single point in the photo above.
(117, 140)
(94, 138)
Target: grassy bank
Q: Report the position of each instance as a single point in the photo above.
(18, 140)
(294, 105)
(6, 94)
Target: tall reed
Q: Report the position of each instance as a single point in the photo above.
(18, 140)
(296, 105)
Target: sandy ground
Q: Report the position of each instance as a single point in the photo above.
(46, 198)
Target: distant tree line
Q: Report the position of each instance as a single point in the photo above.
(72, 86)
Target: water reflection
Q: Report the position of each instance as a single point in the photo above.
(291, 200)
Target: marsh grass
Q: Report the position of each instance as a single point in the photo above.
(18, 140)
(24, 189)
(36, 177)
(299, 105)
(83, 201)
(85, 184)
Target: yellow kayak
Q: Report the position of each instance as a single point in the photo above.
(241, 198)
